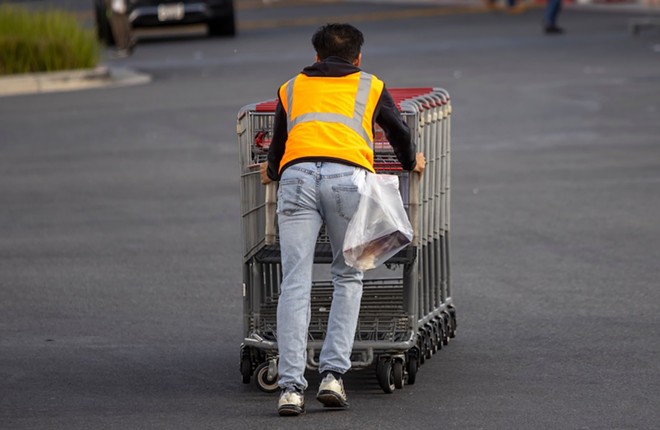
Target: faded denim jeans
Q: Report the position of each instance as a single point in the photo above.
(310, 194)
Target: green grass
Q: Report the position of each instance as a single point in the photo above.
(44, 41)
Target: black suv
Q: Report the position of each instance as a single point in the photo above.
(218, 14)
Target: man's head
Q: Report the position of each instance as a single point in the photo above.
(338, 40)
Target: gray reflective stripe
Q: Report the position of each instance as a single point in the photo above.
(354, 123)
(289, 102)
(362, 97)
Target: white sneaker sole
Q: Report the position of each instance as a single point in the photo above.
(290, 410)
(330, 399)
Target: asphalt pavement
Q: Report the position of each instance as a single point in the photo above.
(103, 76)
(120, 256)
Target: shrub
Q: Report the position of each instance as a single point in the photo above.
(44, 41)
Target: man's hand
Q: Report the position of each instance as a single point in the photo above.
(263, 172)
(420, 163)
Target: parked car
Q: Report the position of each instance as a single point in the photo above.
(217, 14)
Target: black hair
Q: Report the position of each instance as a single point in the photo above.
(339, 40)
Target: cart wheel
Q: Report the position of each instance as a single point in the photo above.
(246, 368)
(428, 348)
(412, 369)
(385, 375)
(449, 327)
(397, 373)
(452, 319)
(423, 354)
(438, 333)
(433, 334)
(446, 325)
(265, 384)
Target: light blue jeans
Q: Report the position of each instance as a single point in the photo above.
(309, 195)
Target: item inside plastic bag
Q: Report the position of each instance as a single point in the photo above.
(380, 227)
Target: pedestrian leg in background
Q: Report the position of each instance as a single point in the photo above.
(512, 6)
(650, 20)
(121, 27)
(552, 10)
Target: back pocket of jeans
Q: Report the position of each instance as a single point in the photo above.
(288, 195)
(347, 199)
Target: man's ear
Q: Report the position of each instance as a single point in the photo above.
(358, 60)
(318, 58)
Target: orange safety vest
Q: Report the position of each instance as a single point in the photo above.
(331, 117)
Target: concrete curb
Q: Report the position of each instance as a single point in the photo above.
(70, 80)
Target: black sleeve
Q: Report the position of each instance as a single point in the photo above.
(389, 118)
(277, 142)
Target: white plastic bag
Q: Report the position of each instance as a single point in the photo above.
(380, 227)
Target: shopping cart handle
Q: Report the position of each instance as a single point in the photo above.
(270, 232)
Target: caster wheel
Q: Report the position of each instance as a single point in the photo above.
(412, 369)
(428, 346)
(438, 333)
(263, 381)
(452, 320)
(446, 326)
(433, 337)
(420, 348)
(397, 374)
(385, 374)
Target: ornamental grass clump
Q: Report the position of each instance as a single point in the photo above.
(44, 41)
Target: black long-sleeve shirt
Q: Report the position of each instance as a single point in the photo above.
(386, 115)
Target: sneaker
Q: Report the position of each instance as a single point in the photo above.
(291, 402)
(331, 392)
(553, 29)
(122, 53)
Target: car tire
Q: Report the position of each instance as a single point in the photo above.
(223, 27)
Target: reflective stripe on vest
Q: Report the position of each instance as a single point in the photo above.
(354, 123)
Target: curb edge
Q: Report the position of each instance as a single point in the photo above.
(70, 80)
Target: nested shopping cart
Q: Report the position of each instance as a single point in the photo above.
(407, 313)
